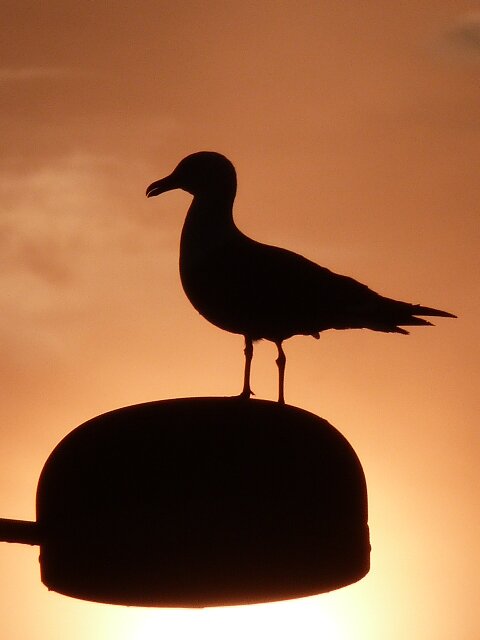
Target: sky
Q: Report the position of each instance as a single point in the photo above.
(355, 131)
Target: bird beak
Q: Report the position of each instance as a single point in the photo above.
(160, 186)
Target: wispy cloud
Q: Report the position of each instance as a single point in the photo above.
(58, 215)
(23, 74)
(47, 217)
(462, 40)
(69, 236)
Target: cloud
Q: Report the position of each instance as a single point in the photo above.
(85, 260)
(462, 40)
(65, 229)
(76, 246)
(42, 228)
(44, 212)
(30, 73)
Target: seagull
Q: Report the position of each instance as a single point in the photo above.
(262, 291)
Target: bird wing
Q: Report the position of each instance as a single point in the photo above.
(269, 292)
(310, 297)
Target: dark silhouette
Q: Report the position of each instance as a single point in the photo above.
(197, 502)
(261, 291)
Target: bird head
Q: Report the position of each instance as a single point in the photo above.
(205, 172)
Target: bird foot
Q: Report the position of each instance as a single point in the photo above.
(245, 395)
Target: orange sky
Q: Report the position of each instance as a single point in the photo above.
(355, 131)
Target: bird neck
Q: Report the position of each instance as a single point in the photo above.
(209, 224)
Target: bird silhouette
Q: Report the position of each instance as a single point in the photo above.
(262, 291)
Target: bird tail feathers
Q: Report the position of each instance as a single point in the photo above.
(418, 310)
(411, 322)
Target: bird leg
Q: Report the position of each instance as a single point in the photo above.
(281, 361)
(248, 351)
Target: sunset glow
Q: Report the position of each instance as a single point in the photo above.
(354, 130)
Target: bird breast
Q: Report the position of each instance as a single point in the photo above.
(245, 287)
